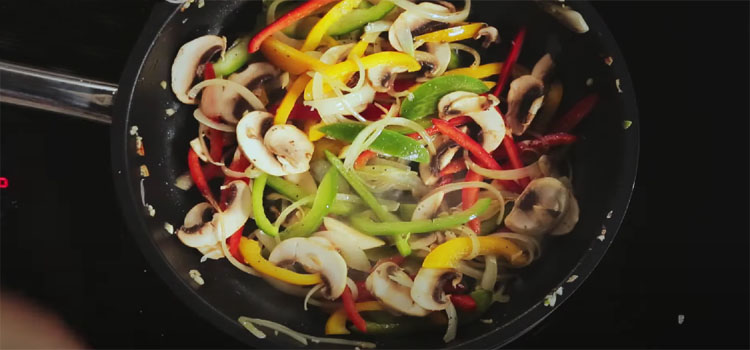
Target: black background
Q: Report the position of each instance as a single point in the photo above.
(683, 248)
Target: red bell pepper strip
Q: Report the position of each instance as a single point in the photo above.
(234, 240)
(513, 156)
(302, 112)
(403, 84)
(216, 144)
(469, 196)
(362, 293)
(512, 57)
(464, 302)
(351, 310)
(234, 244)
(363, 158)
(453, 167)
(208, 71)
(196, 173)
(373, 112)
(483, 158)
(284, 21)
(444, 180)
(569, 120)
(457, 121)
(539, 145)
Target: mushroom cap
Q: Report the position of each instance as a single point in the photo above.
(479, 108)
(386, 283)
(198, 229)
(253, 77)
(436, 66)
(277, 150)
(347, 246)
(416, 25)
(525, 97)
(570, 219)
(188, 64)
(445, 149)
(239, 207)
(382, 76)
(540, 208)
(490, 35)
(427, 290)
(315, 256)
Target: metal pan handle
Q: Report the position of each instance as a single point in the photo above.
(60, 93)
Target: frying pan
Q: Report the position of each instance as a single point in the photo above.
(604, 165)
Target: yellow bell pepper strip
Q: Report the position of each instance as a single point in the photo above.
(343, 70)
(331, 17)
(336, 323)
(363, 222)
(487, 70)
(261, 220)
(290, 99)
(384, 215)
(288, 58)
(448, 254)
(250, 250)
(314, 133)
(358, 50)
(324, 198)
(449, 35)
(284, 21)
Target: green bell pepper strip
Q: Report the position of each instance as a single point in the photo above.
(384, 215)
(427, 95)
(234, 58)
(389, 142)
(324, 199)
(363, 222)
(295, 193)
(455, 60)
(261, 220)
(358, 18)
(483, 298)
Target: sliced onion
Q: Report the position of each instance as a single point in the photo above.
(351, 252)
(453, 17)
(266, 240)
(302, 337)
(378, 26)
(380, 180)
(474, 241)
(405, 39)
(197, 146)
(310, 293)
(494, 208)
(242, 267)
(467, 270)
(532, 171)
(469, 49)
(461, 185)
(528, 243)
(333, 54)
(500, 296)
(248, 95)
(450, 332)
(391, 163)
(353, 288)
(284, 213)
(341, 105)
(489, 278)
(201, 118)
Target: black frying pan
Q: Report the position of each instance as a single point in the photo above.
(604, 164)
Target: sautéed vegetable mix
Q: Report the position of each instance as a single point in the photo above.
(365, 157)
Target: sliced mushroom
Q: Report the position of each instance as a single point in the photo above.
(445, 149)
(427, 290)
(543, 68)
(315, 257)
(428, 207)
(490, 35)
(253, 77)
(212, 252)
(336, 54)
(388, 283)
(189, 63)
(442, 52)
(525, 97)
(414, 25)
(198, 229)
(432, 65)
(347, 246)
(277, 150)
(569, 220)
(479, 108)
(540, 207)
(239, 207)
(382, 76)
(568, 17)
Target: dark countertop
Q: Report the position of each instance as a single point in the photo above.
(680, 251)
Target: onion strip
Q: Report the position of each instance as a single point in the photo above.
(532, 171)
(469, 49)
(450, 332)
(453, 17)
(527, 243)
(489, 278)
(310, 293)
(248, 95)
(461, 185)
(474, 241)
(284, 213)
(302, 337)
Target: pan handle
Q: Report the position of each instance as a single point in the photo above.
(60, 93)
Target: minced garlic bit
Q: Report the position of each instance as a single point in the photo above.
(617, 84)
(609, 215)
(608, 60)
(163, 84)
(186, 5)
(151, 210)
(134, 130)
(196, 276)
(169, 112)
(410, 96)
(600, 237)
(144, 170)
(589, 82)
(572, 278)
(139, 146)
(201, 3)
(169, 228)
(487, 321)
(680, 319)
(551, 298)
(626, 124)
(604, 230)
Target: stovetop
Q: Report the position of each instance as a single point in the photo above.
(64, 243)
